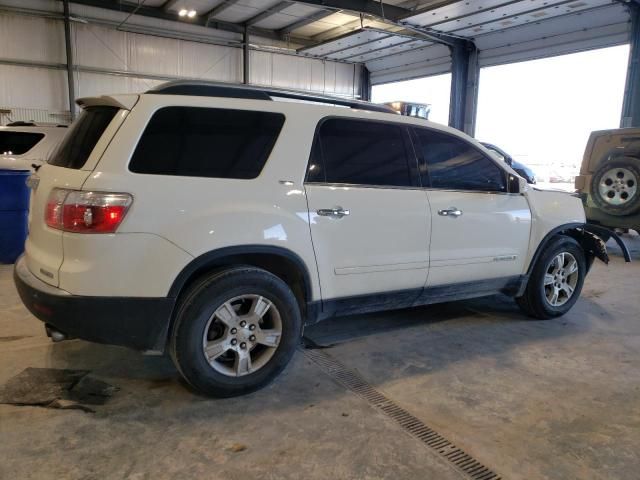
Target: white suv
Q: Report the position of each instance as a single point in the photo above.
(215, 221)
(24, 145)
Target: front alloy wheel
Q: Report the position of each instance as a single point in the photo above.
(561, 279)
(556, 279)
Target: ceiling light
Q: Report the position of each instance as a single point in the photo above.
(191, 14)
(182, 12)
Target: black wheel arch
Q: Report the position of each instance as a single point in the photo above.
(280, 261)
(588, 236)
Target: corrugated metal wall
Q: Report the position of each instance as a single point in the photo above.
(108, 60)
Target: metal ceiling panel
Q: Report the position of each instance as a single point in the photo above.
(376, 53)
(458, 10)
(324, 24)
(292, 13)
(344, 42)
(408, 72)
(433, 53)
(596, 28)
(554, 27)
(517, 14)
(382, 43)
(244, 10)
(200, 6)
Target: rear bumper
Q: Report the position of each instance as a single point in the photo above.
(134, 322)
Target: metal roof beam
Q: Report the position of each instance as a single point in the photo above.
(367, 7)
(269, 12)
(303, 22)
(201, 20)
(383, 12)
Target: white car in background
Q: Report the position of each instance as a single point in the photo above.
(23, 144)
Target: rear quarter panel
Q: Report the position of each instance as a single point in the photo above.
(199, 215)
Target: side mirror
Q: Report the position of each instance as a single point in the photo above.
(509, 161)
(517, 184)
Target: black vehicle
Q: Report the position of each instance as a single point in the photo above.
(520, 168)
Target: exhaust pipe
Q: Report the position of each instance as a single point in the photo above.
(55, 335)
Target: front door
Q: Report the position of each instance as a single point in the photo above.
(480, 231)
(369, 219)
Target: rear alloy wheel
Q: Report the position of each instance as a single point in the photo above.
(614, 187)
(242, 335)
(235, 331)
(556, 280)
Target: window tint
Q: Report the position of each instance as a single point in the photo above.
(362, 153)
(82, 137)
(17, 143)
(206, 142)
(454, 164)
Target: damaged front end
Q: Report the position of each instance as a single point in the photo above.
(592, 238)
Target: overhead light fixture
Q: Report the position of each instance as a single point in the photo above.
(183, 12)
(191, 14)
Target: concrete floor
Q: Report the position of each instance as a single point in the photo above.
(531, 400)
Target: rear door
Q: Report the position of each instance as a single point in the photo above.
(68, 168)
(480, 231)
(368, 215)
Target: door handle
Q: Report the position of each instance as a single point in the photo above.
(450, 212)
(335, 212)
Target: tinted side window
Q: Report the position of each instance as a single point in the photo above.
(206, 142)
(362, 153)
(454, 164)
(17, 143)
(82, 137)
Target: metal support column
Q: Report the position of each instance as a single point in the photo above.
(365, 84)
(631, 101)
(464, 74)
(245, 55)
(471, 100)
(67, 41)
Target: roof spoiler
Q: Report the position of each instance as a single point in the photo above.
(125, 102)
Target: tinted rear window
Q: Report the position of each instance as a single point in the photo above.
(17, 143)
(82, 137)
(207, 142)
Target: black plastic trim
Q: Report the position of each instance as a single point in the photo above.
(212, 89)
(318, 311)
(547, 238)
(597, 229)
(134, 322)
(215, 256)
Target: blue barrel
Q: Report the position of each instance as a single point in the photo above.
(14, 213)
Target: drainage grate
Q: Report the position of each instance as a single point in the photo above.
(464, 462)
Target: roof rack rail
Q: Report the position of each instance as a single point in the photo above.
(213, 89)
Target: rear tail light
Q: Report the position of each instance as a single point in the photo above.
(86, 212)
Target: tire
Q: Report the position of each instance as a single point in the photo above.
(241, 309)
(614, 186)
(536, 302)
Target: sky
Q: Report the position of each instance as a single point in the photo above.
(540, 111)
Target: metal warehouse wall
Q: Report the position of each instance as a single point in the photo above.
(107, 59)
